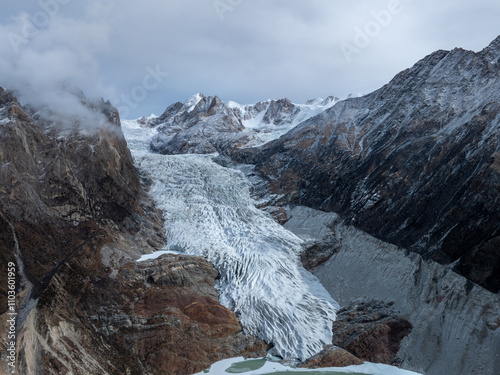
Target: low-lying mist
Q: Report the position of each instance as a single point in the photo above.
(52, 69)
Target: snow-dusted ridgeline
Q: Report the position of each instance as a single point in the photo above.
(269, 120)
(208, 211)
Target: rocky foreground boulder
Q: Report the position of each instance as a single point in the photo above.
(74, 217)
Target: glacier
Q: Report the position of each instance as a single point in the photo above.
(208, 211)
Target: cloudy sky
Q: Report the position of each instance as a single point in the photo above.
(144, 55)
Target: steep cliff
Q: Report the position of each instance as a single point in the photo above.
(74, 216)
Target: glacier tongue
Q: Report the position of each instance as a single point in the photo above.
(208, 211)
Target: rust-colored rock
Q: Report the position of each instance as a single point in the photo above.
(332, 356)
(317, 253)
(138, 327)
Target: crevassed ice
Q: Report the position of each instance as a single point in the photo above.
(208, 211)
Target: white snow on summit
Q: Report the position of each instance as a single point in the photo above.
(267, 125)
(191, 103)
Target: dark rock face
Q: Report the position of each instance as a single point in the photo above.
(371, 332)
(415, 163)
(317, 254)
(59, 192)
(280, 111)
(73, 218)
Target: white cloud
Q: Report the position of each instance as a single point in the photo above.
(261, 49)
(47, 64)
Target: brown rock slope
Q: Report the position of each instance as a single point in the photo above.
(332, 356)
(73, 217)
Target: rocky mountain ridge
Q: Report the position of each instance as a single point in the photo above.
(414, 163)
(207, 124)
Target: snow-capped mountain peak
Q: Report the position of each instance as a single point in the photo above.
(191, 103)
(207, 124)
(330, 100)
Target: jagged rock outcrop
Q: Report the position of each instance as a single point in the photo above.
(74, 216)
(371, 331)
(202, 125)
(414, 163)
(280, 111)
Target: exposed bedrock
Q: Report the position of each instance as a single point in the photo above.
(74, 216)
